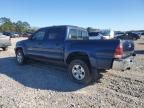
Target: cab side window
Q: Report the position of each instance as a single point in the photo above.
(39, 35)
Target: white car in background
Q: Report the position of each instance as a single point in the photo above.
(102, 34)
(5, 41)
(95, 36)
(107, 34)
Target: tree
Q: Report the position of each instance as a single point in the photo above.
(6, 24)
(22, 26)
(33, 29)
(4, 20)
(26, 26)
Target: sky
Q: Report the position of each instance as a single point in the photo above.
(103, 14)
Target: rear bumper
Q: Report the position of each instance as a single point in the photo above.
(123, 64)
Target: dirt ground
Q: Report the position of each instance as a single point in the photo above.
(39, 85)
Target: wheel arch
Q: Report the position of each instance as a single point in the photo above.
(78, 55)
(19, 48)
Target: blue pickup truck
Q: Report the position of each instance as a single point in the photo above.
(70, 45)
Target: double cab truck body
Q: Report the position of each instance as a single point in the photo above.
(71, 46)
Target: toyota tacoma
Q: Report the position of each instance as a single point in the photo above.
(70, 45)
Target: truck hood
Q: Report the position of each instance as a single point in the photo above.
(21, 42)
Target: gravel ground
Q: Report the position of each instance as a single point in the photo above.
(39, 85)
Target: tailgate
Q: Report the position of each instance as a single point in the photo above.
(128, 47)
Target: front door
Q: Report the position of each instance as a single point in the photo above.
(34, 45)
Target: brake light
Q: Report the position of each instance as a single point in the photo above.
(118, 51)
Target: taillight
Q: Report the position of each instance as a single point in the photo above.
(119, 51)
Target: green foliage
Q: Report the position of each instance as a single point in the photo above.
(6, 25)
(22, 26)
(4, 20)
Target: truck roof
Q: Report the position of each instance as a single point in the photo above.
(65, 26)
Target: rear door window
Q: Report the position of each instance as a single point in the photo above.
(55, 34)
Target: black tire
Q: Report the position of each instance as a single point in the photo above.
(19, 53)
(5, 48)
(87, 76)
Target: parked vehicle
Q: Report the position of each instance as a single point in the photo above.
(16, 34)
(118, 33)
(4, 42)
(107, 34)
(70, 45)
(128, 36)
(95, 35)
(28, 34)
(102, 34)
(11, 34)
(142, 34)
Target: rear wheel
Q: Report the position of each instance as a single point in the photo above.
(20, 57)
(80, 72)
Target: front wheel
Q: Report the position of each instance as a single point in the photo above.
(20, 57)
(80, 72)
